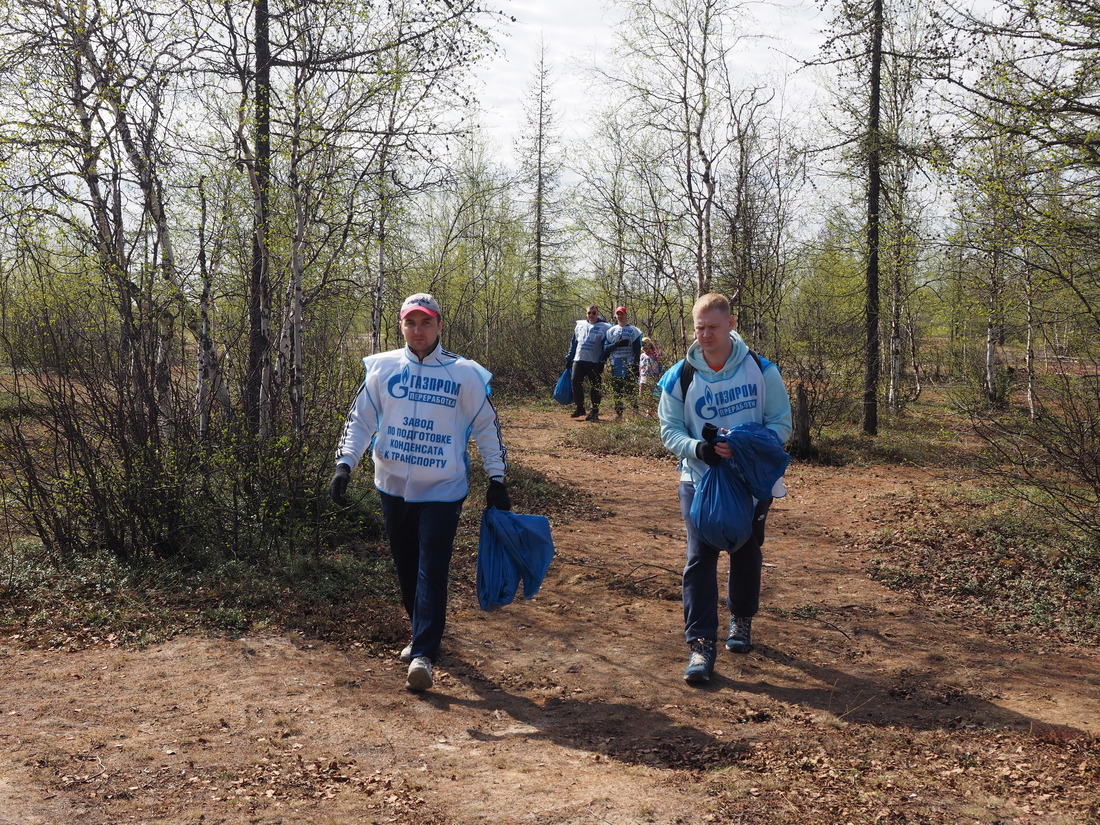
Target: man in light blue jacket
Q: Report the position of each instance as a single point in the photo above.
(417, 409)
(720, 383)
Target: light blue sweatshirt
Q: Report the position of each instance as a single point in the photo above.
(739, 392)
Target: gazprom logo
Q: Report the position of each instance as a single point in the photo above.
(726, 402)
(429, 389)
(705, 407)
(399, 384)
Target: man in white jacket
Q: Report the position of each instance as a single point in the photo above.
(623, 347)
(586, 358)
(417, 408)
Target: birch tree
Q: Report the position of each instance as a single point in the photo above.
(191, 177)
(674, 58)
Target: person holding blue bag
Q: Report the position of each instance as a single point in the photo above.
(416, 410)
(717, 389)
(585, 361)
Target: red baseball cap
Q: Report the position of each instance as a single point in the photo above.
(620, 310)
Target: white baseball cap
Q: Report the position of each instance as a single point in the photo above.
(420, 302)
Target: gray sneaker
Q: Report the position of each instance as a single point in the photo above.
(406, 654)
(420, 674)
(740, 638)
(701, 664)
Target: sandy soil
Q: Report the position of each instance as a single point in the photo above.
(858, 704)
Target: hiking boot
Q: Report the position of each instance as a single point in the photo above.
(577, 413)
(406, 654)
(701, 664)
(593, 416)
(740, 638)
(420, 674)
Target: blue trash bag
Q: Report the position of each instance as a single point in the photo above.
(513, 547)
(563, 390)
(758, 455)
(722, 507)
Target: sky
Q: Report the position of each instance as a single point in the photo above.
(580, 33)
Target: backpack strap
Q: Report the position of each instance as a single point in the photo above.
(686, 374)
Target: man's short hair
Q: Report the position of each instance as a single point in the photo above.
(712, 300)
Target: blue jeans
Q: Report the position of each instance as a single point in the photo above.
(701, 573)
(422, 537)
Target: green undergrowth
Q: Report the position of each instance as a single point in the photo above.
(344, 591)
(917, 438)
(989, 554)
(634, 435)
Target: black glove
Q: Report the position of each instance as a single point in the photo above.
(338, 486)
(704, 451)
(497, 496)
(568, 362)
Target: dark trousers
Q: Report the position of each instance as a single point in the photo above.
(624, 391)
(701, 573)
(592, 373)
(422, 536)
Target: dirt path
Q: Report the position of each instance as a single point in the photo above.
(858, 704)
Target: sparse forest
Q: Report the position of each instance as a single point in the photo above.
(210, 212)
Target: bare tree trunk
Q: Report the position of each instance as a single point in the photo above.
(381, 238)
(991, 334)
(914, 355)
(539, 117)
(297, 333)
(288, 364)
(1029, 354)
(258, 377)
(380, 272)
(377, 295)
(894, 391)
(801, 445)
(874, 137)
(209, 385)
(991, 359)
